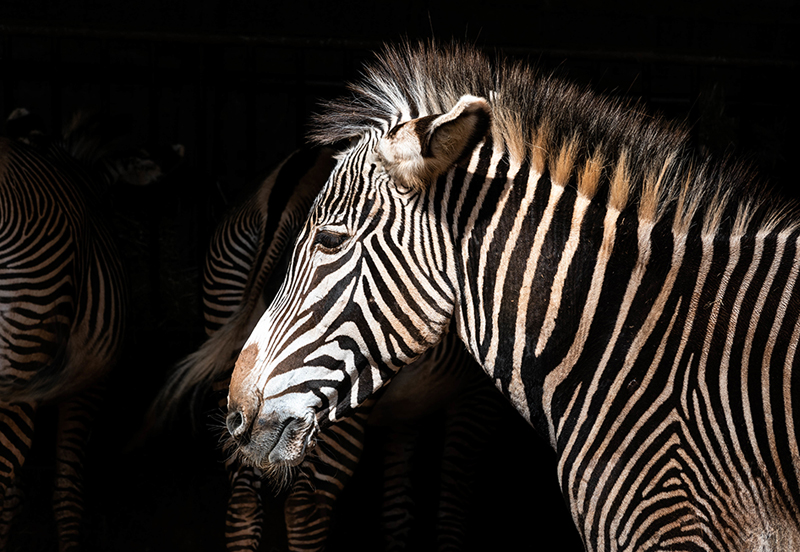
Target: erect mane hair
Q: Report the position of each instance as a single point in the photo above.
(584, 139)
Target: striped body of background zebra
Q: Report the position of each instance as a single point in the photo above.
(62, 300)
(245, 264)
(635, 302)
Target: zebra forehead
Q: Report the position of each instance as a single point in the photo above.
(356, 182)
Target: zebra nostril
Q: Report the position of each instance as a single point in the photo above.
(236, 423)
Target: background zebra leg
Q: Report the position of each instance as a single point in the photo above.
(397, 508)
(75, 417)
(244, 516)
(16, 436)
(469, 422)
(307, 518)
(322, 478)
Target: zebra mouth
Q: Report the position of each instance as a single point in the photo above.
(278, 443)
(297, 436)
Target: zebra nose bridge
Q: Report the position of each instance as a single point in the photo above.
(243, 397)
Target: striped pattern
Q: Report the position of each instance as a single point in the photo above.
(74, 428)
(257, 234)
(636, 303)
(244, 266)
(468, 411)
(60, 278)
(16, 438)
(62, 307)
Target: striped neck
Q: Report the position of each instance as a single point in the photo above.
(561, 294)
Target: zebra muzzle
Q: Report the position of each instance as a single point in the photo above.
(273, 438)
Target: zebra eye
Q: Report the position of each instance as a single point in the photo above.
(329, 241)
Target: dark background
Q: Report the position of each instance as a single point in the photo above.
(234, 83)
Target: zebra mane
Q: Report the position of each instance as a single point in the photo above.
(591, 142)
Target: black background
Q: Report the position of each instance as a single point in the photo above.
(234, 83)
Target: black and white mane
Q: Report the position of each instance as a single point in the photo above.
(603, 146)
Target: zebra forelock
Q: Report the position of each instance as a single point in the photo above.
(585, 140)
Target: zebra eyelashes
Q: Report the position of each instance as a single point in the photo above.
(329, 241)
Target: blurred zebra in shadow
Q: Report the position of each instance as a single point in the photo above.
(63, 297)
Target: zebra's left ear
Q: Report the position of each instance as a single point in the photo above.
(418, 151)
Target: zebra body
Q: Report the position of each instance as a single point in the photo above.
(633, 307)
(57, 262)
(63, 300)
(62, 294)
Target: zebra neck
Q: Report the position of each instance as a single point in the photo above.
(659, 328)
(561, 297)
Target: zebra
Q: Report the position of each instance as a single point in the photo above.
(245, 263)
(634, 300)
(63, 299)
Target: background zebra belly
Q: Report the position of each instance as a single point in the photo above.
(36, 323)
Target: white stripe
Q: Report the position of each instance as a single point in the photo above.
(502, 269)
(716, 373)
(497, 155)
(516, 390)
(556, 290)
(790, 390)
(465, 322)
(486, 243)
(766, 387)
(766, 284)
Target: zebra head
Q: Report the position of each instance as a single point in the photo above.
(367, 291)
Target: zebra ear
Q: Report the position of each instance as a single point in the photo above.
(418, 151)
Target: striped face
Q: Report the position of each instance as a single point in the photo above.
(351, 312)
(366, 292)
